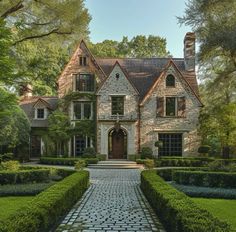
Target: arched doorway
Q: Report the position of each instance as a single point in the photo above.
(117, 144)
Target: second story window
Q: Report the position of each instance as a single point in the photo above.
(170, 106)
(40, 113)
(85, 82)
(82, 60)
(82, 110)
(117, 105)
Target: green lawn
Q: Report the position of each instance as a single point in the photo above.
(9, 205)
(221, 208)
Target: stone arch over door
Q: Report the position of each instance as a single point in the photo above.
(117, 144)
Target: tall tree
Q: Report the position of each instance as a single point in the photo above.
(44, 34)
(138, 46)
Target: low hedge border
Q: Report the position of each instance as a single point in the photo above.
(184, 162)
(205, 178)
(66, 161)
(24, 176)
(177, 211)
(46, 208)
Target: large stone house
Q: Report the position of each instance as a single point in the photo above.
(133, 102)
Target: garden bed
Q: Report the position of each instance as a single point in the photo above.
(177, 211)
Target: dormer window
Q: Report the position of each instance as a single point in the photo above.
(82, 60)
(40, 113)
(170, 81)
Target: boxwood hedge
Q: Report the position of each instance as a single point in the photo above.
(177, 211)
(205, 178)
(47, 207)
(24, 176)
(66, 161)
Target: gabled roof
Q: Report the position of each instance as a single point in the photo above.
(125, 73)
(169, 64)
(28, 103)
(143, 73)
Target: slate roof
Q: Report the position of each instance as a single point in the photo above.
(144, 72)
(27, 104)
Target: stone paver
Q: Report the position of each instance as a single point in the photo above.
(114, 202)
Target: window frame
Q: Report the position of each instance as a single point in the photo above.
(83, 61)
(78, 84)
(175, 104)
(166, 79)
(37, 114)
(123, 102)
(82, 104)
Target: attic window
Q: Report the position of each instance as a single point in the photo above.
(170, 81)
(82, 60)
(117, 76)
(40, 113)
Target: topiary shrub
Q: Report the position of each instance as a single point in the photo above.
(80, 164)
(11, 165)
(89, 152)
(149, 163)
(146, 153)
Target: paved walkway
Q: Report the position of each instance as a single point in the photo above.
(114, 202)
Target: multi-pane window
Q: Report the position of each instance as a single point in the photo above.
(85, 82)
(82, 60)
(170, 106)
(40, 113)
(82, 110)
(170, 81)
(172, 144)
(117, 105)
(81, 142)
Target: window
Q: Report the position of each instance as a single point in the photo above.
(170, 81)
(85, 82)
(81, 142)
(172, 144)
(82, 110)
(82, 60)
(170, 106)
(40, 113)
(117, 105)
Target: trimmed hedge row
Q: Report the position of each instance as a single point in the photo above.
(177, 211)
(46, 208)
(205, 179)
(184, 162)
(66, 161)
(24, 176)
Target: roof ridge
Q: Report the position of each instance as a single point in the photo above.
(135, 58)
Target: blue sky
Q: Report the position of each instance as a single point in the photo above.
(113, 19)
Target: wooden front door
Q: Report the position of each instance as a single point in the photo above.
(117, 145)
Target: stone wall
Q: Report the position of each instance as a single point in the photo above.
(151, 124)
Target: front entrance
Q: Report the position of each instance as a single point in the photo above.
(117, 141)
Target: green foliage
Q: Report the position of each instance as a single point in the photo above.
(205, 179)
(176, 211)
(206, 192)
(223, 166)
(59, 128)
(101, 157)
(40, 214)
(89, 152)
(66, 161)
(43, 33)
(139, 46)
(24, 189)
(6, 157)
(204, 149)
(80, 164)
(6, 62)
(11, 165)
(146, 153)
(133, 157)
(24, 176)
(149, 163)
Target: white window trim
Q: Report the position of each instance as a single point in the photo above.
(82, 110)
(36, 113)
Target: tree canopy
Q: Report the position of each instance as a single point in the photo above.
(139, 46)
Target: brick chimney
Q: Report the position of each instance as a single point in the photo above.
(189, 51)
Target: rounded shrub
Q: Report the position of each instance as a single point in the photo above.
(204, 150)
(89, 152)
(146, 153)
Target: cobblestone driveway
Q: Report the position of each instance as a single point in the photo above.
(114, 202)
